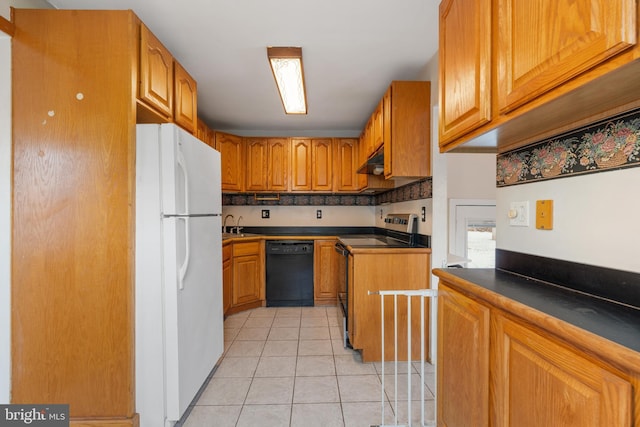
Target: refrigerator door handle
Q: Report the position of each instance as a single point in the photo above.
(183, 167)
(182, 272)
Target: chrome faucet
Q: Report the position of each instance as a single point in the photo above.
(224, 223)
(238, 228)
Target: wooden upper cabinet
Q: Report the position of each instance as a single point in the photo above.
(311, 164)
(465, 66)
(543, 44)
(539, 382)
(345, 163)
(256, 161)
(210, 139)
(267, 164)
(231, 149)
(278, 164)
(185, 111)
(377, 126)
(300, 165)
(407, 127)
(463, 360)
(156, 73)
(321, 164)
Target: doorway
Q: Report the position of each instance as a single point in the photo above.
(472, 233)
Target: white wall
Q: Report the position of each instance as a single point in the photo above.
(471, 176)
(5, 218)
(596, 219)
(301, 216)
(5, 6)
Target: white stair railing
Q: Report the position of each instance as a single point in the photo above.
(422, 294)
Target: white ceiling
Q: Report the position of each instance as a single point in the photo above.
(352, 50)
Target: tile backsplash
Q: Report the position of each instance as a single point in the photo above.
(421, 189)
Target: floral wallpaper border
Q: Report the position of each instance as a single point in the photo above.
(414, 191)
(605, 145)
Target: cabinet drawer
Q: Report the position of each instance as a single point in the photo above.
(227, 252)
(248, 248)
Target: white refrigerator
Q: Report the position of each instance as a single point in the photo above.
(178, 270)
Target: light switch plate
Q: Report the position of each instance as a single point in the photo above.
(519, 214)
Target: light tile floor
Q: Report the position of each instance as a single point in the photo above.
(286, 367)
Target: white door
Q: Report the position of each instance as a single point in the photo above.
(190, 174)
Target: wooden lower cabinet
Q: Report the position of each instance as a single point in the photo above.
(509, 372)
(227, 277)
(247, 276)
(376, 270)
(539, 382)
(463, 360)
(325, 271)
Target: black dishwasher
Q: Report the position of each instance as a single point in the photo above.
(289, 270)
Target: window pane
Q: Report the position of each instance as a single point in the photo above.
(481, 246)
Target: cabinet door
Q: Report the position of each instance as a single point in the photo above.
(539, 382)
(256, 171)
(278, 167)
(465, 66)
(231, 155)
(325, 271)
(463, 360)
(300, 164)
(543, 44)
(377, 122)
(407, 149)
(227, 285)
(185, 112)
(210, 139)
(201, 131)
(156, 73)
(345, 164)
(321, 178)
(246, 279)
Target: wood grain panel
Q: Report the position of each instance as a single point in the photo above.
(156, 77)
(569, 389)
(185, 110)
(463, 360)
(321, 165)
(256, 164)
(72, 244)
(465, 66)
(376, 271)
(345, 164)
(300, 164)
(407, 152)
(543, 44)
(278, 154)
(325, 270)
(6, 26)
(231, 150)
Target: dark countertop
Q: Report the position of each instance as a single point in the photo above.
(614, 321)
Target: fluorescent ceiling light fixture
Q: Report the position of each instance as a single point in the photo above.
(286, 65)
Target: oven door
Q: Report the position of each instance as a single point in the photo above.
(343, 286)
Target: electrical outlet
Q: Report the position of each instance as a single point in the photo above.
(319, 214)
(265, 213)
(519, 214)
(423, 214)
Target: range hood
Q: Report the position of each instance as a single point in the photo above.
(374, 164)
